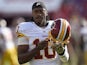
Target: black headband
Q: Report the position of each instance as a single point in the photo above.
(38, 5)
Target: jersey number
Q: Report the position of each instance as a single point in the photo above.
(46, 52)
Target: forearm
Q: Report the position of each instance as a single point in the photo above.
(25, 57)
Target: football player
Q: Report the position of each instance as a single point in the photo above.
(8, 54)
(34, 43)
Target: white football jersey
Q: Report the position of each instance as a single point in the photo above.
(33, 35)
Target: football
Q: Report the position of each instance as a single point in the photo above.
(61, 30)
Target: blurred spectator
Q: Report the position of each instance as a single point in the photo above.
(3, 23)
(76, 41)
(84, 37)
(7, 47)
(16, 21)
(76, 26)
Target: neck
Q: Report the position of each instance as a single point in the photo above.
(42, 24)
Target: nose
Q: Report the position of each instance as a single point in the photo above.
(39, 14)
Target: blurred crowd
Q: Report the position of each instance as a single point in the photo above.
(75, 11)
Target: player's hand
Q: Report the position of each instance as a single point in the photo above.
(59, 48)
(43, 44)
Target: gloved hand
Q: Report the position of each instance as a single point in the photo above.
(59, 48)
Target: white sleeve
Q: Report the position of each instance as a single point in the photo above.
(23, 41)
(21, 37)
(65, 56)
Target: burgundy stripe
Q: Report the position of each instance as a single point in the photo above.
(67, 33)
(56, 29)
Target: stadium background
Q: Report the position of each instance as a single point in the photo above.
(75, 11)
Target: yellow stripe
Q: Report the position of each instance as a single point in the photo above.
(63, 30)
(20, 34)
(51, 37)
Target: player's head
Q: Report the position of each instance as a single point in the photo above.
(39, 12)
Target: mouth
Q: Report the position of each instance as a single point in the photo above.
(39, 17)
(39, 20)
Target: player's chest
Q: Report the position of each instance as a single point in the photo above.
(37, 32)
(36, 35)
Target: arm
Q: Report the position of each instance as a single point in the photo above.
(62, 51)
(24, 55)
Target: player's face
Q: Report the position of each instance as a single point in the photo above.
(39, 15)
